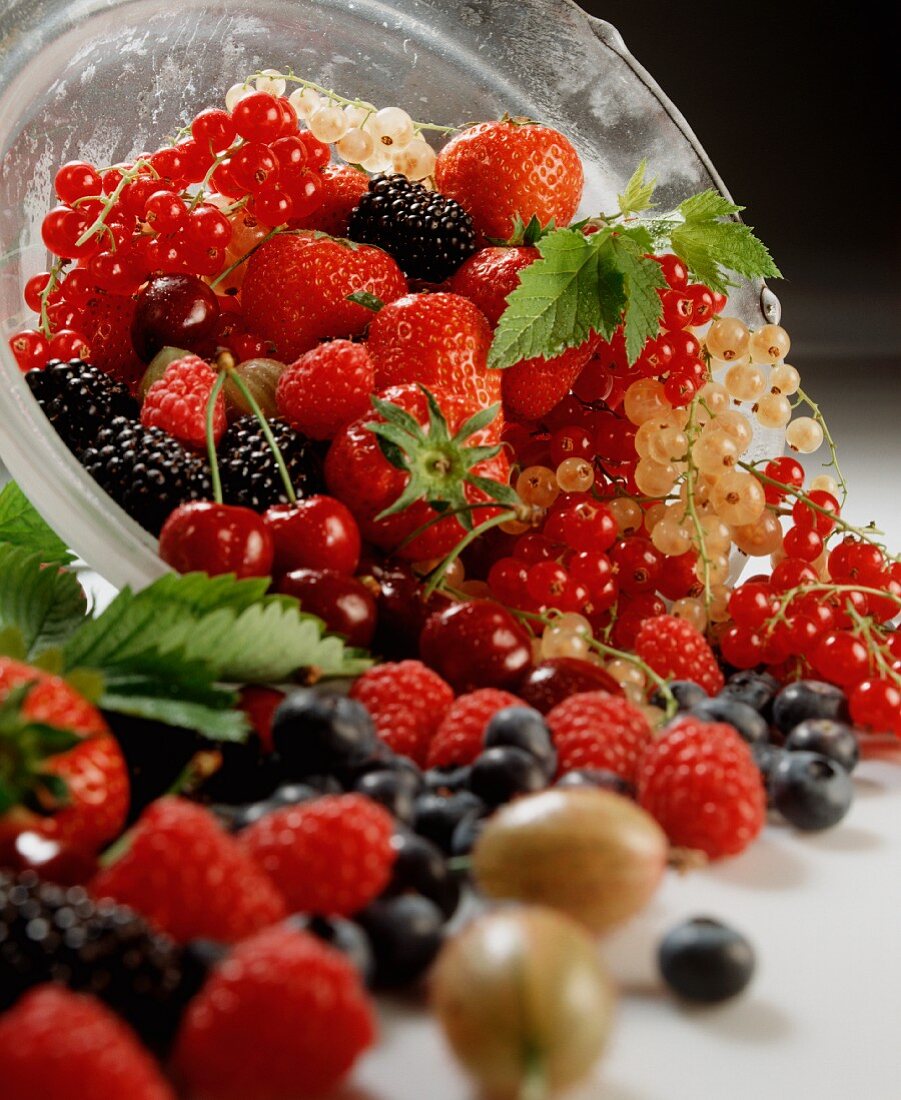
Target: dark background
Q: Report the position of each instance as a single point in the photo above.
(796, 105)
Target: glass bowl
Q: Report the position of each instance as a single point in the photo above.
(102, 80)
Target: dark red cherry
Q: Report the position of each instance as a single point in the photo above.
(344, 604)
(402, 607)
(556, 678)
(53, 860)
(476, 644)
(173, 310)
(317, 533)
(216, 538)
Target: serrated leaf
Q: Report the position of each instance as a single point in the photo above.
(707, 206)
(22, 526)
(12, 643)
(637, 196)
(708, 247)
(611, 291)
(642, 277)
(555, 305)
(219, 725)
(44, 604)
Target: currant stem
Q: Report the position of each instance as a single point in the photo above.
(820, 419)
(471, 536)
(691, 430)
(266, 429)
(243, 259)
(211, 440)
(464, 508)
(129, 175)
(52, 283)
(864, 627)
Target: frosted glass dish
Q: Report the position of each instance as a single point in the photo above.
(104, 79)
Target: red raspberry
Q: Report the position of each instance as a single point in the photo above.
(189, 877)
(326, 388)
(284, 1015)
(677, 651)
(461, 735)
(407, 701)
(597, 730)
(177, 403)
(330, 856)
(342, 189)
(700, 782)
(55, 1043)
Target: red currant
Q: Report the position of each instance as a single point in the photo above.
(841, 658)
(571, 442)
(787, 471)
(702, 304)
(876, 705)
(318, 153)
(34, 288)
(67, 344)
(805, 516)
(213, 130)
(165, 212)
(741, 647)
(272, 207)
(752, 603)
(639, 564)
(76, 180)
(507, 581)
(258, 117)
(254, 166)
(208, 227)
(803, 542)
(677, 309)
(533, 547)
(791, 573)
(30, 349)
(674, 270)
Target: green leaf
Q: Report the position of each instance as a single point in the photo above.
(642, 278)
(44, 604)
(555, 305)
(218, 725)
(708, 247)
(708, 206)
(611, 291)
(55, 788)
(367, 300)
(477, 422)
(12, 643)
(20, 525)
(637, 196)
(524, 234)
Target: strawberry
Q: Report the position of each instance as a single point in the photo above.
(489, 275)
(296, 288)
(178, 401)
(390, 499)
(342, 189)
(498, 171)
(55, 1044)
(105, 322)
(284, 1016)
(57, 753)
(439, 340)
(186, 875)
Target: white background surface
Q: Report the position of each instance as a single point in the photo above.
(822, 1019)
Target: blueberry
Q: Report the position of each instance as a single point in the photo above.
(406, 934)
(685, 692)
(315, 733)
(448, 779)
(503, 772)
(467, 832)
(756, 689)
(811, 791)
(290, 794)
(706, 961)
(245, 773)
(420, 867)
(750, 724)
(323, 784)
(252, 812)
(344, 935)
(436, 816)
(836, 740)
(808, 699)
(523, 728)
(396, 791)
(766, 757)
(597, 777)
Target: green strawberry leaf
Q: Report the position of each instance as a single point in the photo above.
(21, 526)
(43, 604)
(637, 196)
(642, 279)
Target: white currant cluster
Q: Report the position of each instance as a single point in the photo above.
(378, 140)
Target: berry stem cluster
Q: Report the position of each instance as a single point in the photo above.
(804, 399)
(692, 429)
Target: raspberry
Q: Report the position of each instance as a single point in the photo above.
(596, 730)
(177, 403)
(57, 1043)
(461, 735)
(286, 1015)
(407, 701)
(700, 782)
(330, 857)
(326, 388)
(677, 651)
(189, 877)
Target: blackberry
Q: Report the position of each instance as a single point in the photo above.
(146, 471)
(61, 934)
(250, 475)
(79, 400)
(428, 234)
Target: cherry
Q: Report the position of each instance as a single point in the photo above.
(53, 860)
(316, 533)
(475, 644)
(173, 310)
(344, 604)
(507, 581)
(216, 538)
(402, 607)
(556, 678)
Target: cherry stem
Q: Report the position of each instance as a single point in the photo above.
(243, 259)
(471, 536)
(265, 427)
(461, 510)
(211, 439)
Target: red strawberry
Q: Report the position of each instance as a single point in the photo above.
(329, 856)
(407, 701)
(490, 275)
(296, 288)
(284, 1016)
(342, 188)
(93, 769)
(57, 1045)
(105, 322)
(532, 387)
(598, 730)
(178, 401)
(678, 651)
(438, 340)
(358, 473)
(500, 170)
(189, 877)
(326, 388)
